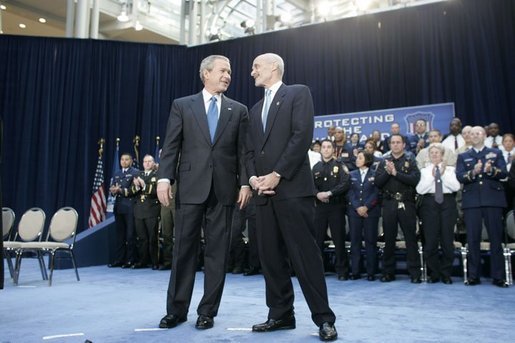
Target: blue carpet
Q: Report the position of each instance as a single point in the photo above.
(115, 305)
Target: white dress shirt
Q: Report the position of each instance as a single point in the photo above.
(490, 140)
(426, 185)
(449, 141)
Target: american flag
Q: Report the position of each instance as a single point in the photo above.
(97, 213)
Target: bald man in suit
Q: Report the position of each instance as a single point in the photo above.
(280, 133)
(203, 153)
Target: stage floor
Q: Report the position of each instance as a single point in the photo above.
(116, 305)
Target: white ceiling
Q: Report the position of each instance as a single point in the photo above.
(161, 19)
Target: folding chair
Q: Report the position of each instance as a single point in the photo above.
(509, 248)
(30, 228)
(62, 227)
(8, 218)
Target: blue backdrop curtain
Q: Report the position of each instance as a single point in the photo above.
(59, 96)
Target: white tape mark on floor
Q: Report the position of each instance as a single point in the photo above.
(149, 329)
(239, 329)
(64, 335)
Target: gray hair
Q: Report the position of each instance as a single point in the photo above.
(438, 146)
(208, 64)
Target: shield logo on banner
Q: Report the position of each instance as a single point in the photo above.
(411, 119)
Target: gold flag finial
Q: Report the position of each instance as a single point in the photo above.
(101, 143)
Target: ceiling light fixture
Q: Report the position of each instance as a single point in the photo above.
(42, 20)
(138, 26)
(22, 25)
(123, 17)
(2, 7)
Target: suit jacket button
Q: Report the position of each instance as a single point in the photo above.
(262, 152)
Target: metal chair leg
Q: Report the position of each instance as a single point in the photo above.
(74, 265)
(507, 266)
(464, 260)
(423, 269)
(52, 255)
(42, 266)
(7, 255)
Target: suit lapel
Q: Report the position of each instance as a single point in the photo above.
(199, 112)
(225, 115)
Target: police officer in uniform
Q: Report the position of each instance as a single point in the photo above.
(146, 214)
(331, 183)
(397, 176)
(480, 169)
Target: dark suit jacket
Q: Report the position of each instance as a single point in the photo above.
(482, 190)
(189, 157)
(283, 147)
(123, 202)
(363, 193)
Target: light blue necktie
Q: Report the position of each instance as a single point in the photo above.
(266, 107)
(212, 117)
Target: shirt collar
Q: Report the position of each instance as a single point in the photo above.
(274, 88)
(207, 97)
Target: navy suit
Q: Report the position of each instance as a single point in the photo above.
(366, 194)
(285, 221)
(483, 199)
(124, 216)
(208, 175)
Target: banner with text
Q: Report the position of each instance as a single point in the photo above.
(437, 116)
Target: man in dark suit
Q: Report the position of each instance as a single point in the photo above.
(146, 214)
(203, 153)
(280, 133)
(124, 213)
(480, 169)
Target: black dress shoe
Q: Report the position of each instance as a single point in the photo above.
(127, 265)
(343, 277)
(446, 280)
(204, 322)
(355, 277)
(139, 265)
(171, 320)
(500, 283)
(252, 271)
(371, 278)
(472, 281)
(433, 280)
(286, 323)
(166, 266)
(387, 278)
(327, 332)
(416, 279)
(115, 264)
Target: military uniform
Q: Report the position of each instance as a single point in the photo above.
(413, 140)
(124, 217)
(398, 194)
(146, 216)
(483, 199)
(334, 177)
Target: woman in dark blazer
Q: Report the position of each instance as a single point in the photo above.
(364, 211)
